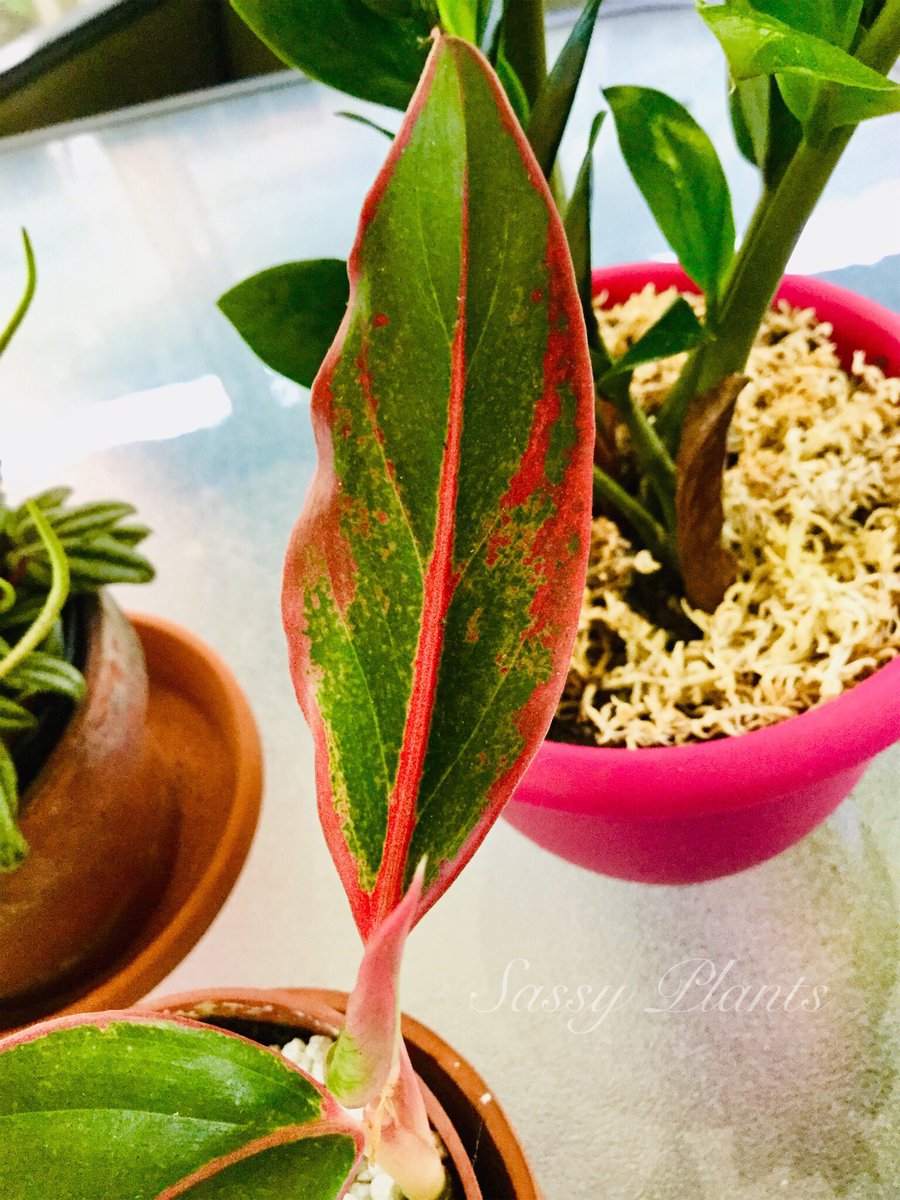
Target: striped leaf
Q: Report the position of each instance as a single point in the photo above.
(41, 673)
(433, 580)
(13, 717)
(121, 1105)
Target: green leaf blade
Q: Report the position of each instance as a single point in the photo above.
(761, 44)
(677, 330)
(678, 172)
(431, 582)
(79, 1117)
(345, 44)
(41, 673)
(289, 315)
(554, 103)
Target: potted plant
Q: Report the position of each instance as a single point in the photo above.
(89, 820)
(728, 742)
(431, 594)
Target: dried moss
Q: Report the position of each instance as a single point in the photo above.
(812, 503)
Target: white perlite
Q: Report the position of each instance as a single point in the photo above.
(372, 1183)
(812, 506)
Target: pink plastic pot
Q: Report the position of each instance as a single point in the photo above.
(687, 813)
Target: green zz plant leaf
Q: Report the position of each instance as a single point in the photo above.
(206, 1114)
(349, 44)
(803, 52)
(676, 167)
(433, 580)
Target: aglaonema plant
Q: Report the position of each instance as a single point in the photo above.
(431, 594)
(801, 78)
(50, 551)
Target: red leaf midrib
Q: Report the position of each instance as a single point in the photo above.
(438, 589)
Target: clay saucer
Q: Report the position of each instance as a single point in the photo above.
(209, 756)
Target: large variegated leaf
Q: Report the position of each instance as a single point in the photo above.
(122, 1105)
(433, 581)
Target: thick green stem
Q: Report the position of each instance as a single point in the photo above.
(774, 229)
(525, 44)
(649, 531)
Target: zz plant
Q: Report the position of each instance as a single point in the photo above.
(801, 78)
(51, 552)
(431, 595)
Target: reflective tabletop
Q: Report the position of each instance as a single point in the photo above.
(125, 380)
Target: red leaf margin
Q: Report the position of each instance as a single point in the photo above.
(557, 601)
(334, 1119)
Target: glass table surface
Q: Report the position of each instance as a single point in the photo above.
(125, 380)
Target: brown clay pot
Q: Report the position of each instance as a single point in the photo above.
(202, 756)
(101, 836)
(487, 1161)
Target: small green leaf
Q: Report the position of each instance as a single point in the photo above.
(578, 234)
(513, 87)
(679, 174)
(94, 563)
(51, 498)
(42, 672)
(289, 315)
(554, 103)
(345, 43)
(677, 330)
(834, 21)
(13, 847)
(132, 1107)
(72, 523)
(13, 717)
(766, 131)
(7, 595)
(132, 535)
(852, 105)
(459, 17)
(757, 44)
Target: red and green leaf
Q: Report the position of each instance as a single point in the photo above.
(122, 1104)
(433, 581)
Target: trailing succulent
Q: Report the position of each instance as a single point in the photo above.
(801, 78)
(51, 551)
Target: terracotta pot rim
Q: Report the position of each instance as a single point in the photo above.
(794, 747)
(456, 1072)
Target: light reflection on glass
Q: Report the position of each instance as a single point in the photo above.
(37, 443)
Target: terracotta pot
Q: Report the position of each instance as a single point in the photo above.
(488, 1162)
(101, 837)
(682, 814)
(189, 757)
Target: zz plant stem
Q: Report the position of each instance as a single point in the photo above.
(774, 229)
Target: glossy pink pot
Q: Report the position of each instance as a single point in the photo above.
(687, 813)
